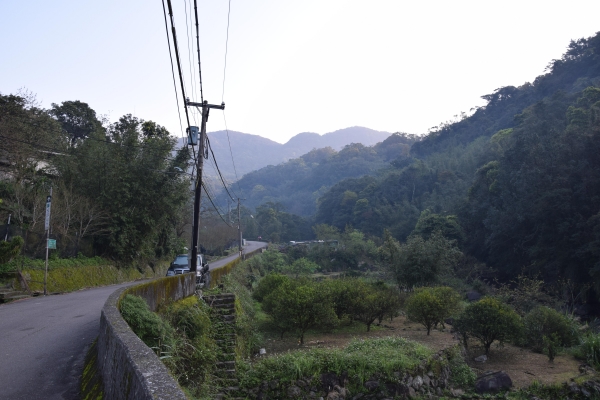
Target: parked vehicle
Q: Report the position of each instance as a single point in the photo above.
(181, 265)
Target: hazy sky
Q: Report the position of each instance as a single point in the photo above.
(292, 66)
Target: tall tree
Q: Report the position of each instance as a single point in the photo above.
(77, 119)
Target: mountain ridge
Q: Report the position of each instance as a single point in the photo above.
(252, 152)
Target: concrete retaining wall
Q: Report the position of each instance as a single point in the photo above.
(129, 368)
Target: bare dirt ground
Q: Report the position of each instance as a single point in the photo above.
(522, 365)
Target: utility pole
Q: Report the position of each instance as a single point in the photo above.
(47, 227)
(229, 210)
(7, 228)
(240, 228)
(205, 108)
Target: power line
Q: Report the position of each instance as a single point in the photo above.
(176, 48)
(172, 70)
(220, 175)
(215, 207)
(226, 45)
(237, 179)
(35, 145)
(187, 33)
(198, 46)
(223, 96)
(62, 151)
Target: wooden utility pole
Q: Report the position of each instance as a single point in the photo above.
(205, 108)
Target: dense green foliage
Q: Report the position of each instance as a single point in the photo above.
(155, 332)
(10, 249)
(420, 261)
(298, 306)
(192, 355)
(181, 334)
(488, 320)
(115, 191)
(361, 359)
(589, 349)
(547, 329)
(430, 306)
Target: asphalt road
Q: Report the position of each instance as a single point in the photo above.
(250, 246)
(43, 340)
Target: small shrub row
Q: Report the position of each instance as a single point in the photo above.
(299, 304)
(361, 359)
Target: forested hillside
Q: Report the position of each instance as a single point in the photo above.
(298, 183)
(245, 147)
(520, 178)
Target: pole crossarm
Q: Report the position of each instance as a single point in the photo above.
(205, 104)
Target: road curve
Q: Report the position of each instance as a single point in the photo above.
(250, 246)
(43, 340)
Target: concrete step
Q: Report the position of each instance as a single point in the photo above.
(229, 373)
(224, 306)
(226, 357)
(225, 382)
(226, 365)
(219, 300)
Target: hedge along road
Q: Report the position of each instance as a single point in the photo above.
(43, 340)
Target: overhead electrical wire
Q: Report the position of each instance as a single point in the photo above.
(219, 171)
(237, 179)
(226, 45)
(190, 57)
(176, 48)
(172, 70)
(55, 151)
(198, 46)
(211, 201)
(36, 145)
(208, 147)
(223, 96)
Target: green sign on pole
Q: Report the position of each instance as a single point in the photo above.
(52, 243)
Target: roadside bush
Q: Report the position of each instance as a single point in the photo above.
(189, 316)
(547, 329)
(489, 320)
(430, 306)
(149, 327)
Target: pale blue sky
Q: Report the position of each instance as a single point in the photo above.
(293, 66)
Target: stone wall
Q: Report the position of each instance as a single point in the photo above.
(129, 368)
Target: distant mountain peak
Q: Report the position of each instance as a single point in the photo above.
(252, 152)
